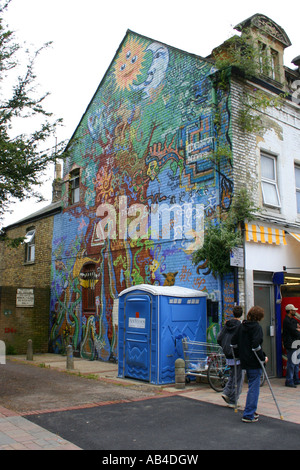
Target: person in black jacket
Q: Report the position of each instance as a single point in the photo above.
(290, 335)
(224, 339)
(249, 336)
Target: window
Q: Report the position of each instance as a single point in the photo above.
(274, 65)
(269, 181)
(88, 281)
(30, 246)
(74, 186)
(263, 61)
(269, 64)
(297, 180)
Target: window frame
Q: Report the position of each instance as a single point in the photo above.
(268, 181)
(263, 58)
(29, 243)
(74, 187)
(297, 189)
(274, 64)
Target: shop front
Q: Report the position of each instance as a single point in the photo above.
(287, 291)
(272, 280)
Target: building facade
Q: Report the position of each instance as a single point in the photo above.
(140, 182)
(25, 274)
(266, 159)
(159, 152)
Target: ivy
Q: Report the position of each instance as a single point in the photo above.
(252, 105)
(220, 238)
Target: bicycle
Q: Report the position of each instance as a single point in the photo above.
(218, 372)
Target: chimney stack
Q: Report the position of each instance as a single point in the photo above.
(57, 184)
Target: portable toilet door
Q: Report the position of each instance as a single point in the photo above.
(137, 336)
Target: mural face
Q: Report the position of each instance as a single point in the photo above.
(148, 179)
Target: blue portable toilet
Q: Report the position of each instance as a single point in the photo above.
(152, 320)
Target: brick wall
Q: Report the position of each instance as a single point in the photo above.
(18, 324)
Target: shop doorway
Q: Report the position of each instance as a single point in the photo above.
(264, 297)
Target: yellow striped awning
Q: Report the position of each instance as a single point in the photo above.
(295, 235)
(260, 234)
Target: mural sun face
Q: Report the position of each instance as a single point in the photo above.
(129, 64)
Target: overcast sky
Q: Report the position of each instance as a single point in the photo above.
(86, 36)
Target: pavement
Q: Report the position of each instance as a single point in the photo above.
(25, 430)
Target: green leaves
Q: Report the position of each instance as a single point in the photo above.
(218, 243)
(23, 157)
(222, 236)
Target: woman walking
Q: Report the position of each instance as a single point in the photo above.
(249, 336)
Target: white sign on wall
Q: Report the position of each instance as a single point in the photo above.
(25, 298)
(237, 257)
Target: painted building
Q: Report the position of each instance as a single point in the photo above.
(159, 152)
(141, 180)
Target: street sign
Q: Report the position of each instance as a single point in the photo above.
(237, 257)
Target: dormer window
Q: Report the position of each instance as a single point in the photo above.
(271, 40)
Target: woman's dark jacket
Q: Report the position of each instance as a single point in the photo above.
(249, 336)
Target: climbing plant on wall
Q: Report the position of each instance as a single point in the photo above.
(220, 239)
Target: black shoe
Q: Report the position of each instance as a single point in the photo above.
(248, 420)
(291, 385)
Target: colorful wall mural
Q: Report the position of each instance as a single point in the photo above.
(148, 178)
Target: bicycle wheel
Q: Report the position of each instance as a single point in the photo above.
(218, 374)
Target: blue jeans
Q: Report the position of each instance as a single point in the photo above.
(253, 392)
(292, 368)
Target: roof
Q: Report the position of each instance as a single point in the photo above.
(170, 291)
(267, 26)
(51, 209)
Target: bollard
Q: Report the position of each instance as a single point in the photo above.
(70, 360)
(179, 373)
(2, 352)
(29, 350)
